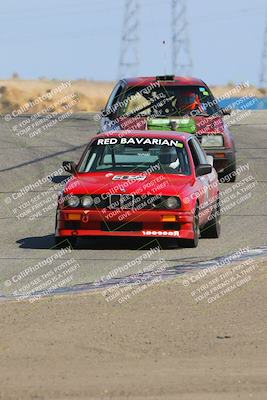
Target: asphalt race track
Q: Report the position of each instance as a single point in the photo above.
(27, 230)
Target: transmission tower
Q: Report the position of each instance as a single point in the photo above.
(129, 57)
(181, 56)
(263, 73)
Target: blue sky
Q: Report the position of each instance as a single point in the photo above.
(72, 39)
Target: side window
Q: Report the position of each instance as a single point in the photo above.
(194, 153)
(200, 152)
(114, 97)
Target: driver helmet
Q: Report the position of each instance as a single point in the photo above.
(189, 101)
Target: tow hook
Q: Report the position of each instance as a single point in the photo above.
(85, 217)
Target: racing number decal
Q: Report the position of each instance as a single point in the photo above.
(160, 233)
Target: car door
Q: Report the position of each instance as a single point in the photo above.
(213, 184)
(203, 186)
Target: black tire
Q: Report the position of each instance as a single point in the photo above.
(229, 170)
(213, 228)
(192, 243)
(62, 242)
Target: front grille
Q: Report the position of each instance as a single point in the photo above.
(121, 201)
(127, 202)
(136, 202)
(122, 227)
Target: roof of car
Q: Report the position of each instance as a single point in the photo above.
(183, 136)
(164, 80)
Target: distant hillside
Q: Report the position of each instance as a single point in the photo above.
(90, 95)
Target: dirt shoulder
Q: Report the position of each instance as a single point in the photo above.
(161, 344)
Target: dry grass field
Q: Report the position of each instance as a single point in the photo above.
(90, 95)
(16, 93)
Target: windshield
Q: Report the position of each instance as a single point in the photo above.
(166, 101)
(137, 154)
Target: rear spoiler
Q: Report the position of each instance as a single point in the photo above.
(165, 78)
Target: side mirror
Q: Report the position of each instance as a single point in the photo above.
(69, 166)
(210, 160)
(226, 111)
(203, 169)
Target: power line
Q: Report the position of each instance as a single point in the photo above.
(263, 73)
(181, 55)
(129, 57)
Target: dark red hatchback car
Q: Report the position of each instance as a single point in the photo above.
(173, 103)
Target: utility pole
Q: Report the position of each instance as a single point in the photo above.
(129, 57)
(181, 55)
(263, 73)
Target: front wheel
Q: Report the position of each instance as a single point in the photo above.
(191, 243)
(213, 227)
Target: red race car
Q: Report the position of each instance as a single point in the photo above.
(173, 103)
(149, 184)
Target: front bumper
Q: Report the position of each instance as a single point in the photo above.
(167, 223)
(223, 157)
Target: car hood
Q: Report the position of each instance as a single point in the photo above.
(118, 183)
(205, 125)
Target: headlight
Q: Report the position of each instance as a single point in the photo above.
(172, 202)
(212, 140)
(73, 201)
(87, 201)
